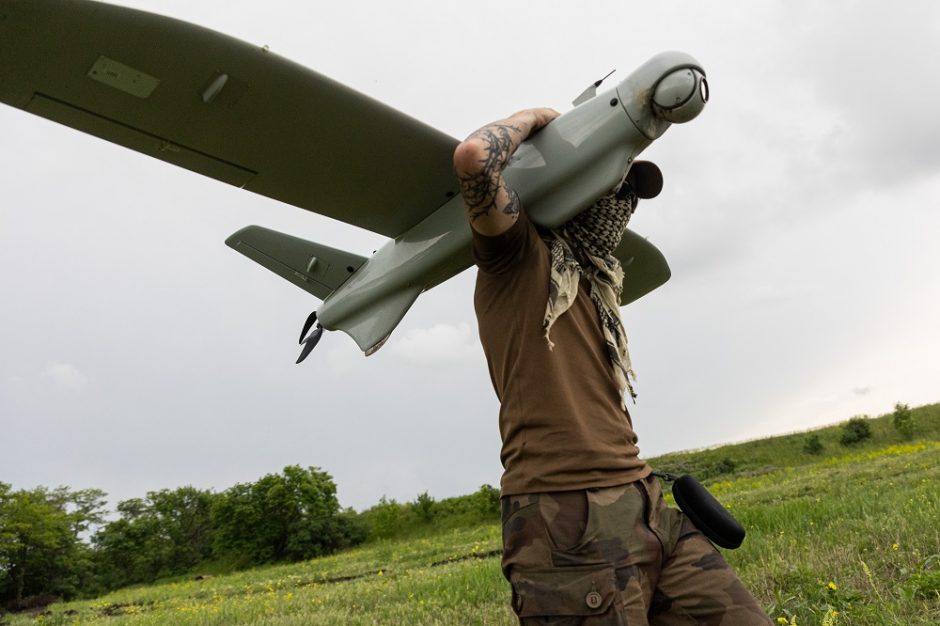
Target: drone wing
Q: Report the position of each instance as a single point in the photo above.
(644, 267)
(223, 108)
(239, 114)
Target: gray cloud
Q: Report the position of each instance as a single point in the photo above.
(797, 217)
(872, 65)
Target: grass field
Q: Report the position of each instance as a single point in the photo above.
(850, 536)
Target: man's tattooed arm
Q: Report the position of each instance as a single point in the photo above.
(479, 161)
(481, 184)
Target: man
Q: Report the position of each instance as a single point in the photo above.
(587, 537)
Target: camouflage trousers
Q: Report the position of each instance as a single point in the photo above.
(616, 556)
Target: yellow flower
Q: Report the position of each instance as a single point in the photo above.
(782, 620)
(832, 586)
(895, 547)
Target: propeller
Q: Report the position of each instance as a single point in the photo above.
(309, 342)
(591, 91)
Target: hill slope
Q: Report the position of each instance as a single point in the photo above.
(846, 536)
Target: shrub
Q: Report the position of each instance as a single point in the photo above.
(726, 465)
(348, 530)
(479, 506)
(855, 431)
(385, 519)
(486, 502)
(903, 420)
(812, 445)
(424, 507)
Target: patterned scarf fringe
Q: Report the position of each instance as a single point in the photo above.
(592, 236)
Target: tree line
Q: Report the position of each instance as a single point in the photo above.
(59, 542)
(62, 543)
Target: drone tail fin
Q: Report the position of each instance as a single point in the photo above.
(315, 268)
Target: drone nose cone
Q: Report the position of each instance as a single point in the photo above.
(681, 95)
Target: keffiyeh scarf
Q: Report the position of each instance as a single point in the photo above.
(583, 247)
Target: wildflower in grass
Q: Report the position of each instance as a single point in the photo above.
(782, 620)
(832, 586)
(895, 547)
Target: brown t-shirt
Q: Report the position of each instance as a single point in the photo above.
(561, 418)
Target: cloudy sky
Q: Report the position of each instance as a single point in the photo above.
(138, 352)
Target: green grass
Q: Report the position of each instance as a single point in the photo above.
(849, 537)
(441, 577)
(788, 450)
(857, 535)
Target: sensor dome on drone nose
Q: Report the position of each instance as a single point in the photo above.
(680, 96)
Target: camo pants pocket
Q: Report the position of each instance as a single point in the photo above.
(575, 596)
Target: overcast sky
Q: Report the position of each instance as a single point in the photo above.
(138, 352)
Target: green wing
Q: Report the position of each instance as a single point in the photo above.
(224, 108)
(644, 267)
(242, 115)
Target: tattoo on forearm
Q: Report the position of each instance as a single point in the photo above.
(480, 189)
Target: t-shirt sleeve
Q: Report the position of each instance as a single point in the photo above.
(501, 253)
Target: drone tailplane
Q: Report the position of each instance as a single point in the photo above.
(313, 267)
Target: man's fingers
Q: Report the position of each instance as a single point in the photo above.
(539, 116)
(546, 115)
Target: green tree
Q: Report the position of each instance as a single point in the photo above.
(167, 533)
(41, 546)
(903, 420)
(290, 516)
(185, 516)
(127, 550)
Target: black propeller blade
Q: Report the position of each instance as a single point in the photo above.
(310, 320)
(310, 343)
(311, 340)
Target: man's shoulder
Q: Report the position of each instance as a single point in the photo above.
(519, 246)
